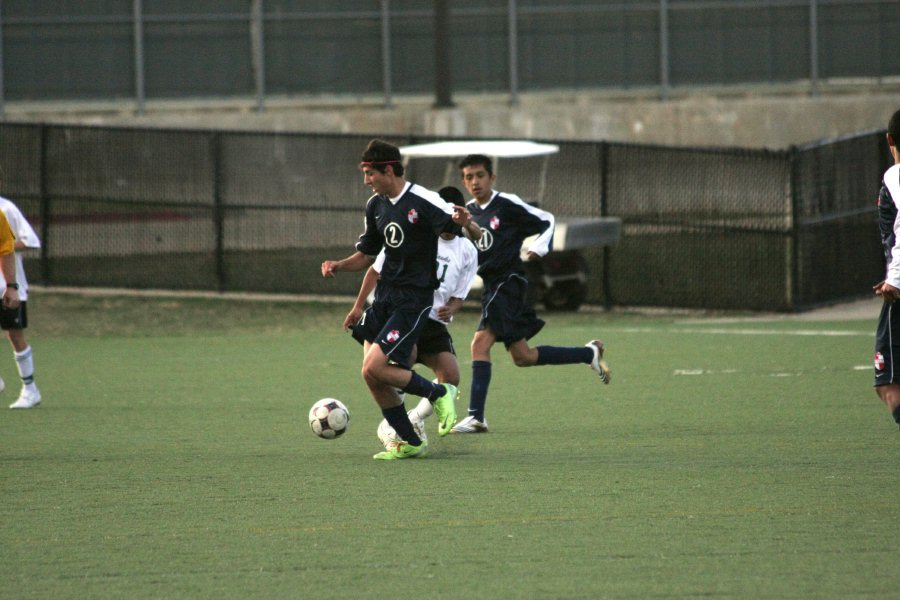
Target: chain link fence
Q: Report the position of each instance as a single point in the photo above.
(237, 211)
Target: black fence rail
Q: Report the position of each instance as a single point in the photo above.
(256, 211)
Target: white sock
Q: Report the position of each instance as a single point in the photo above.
(25, 364)
(424, 408)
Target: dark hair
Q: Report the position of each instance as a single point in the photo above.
(452, 195)
(473, 160)
(894, 129)
(380, 154)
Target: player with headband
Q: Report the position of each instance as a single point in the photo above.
(404, 219)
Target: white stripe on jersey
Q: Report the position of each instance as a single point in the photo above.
(541, 245)
(431, 197)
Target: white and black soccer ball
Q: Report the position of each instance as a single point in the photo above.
(329, 418)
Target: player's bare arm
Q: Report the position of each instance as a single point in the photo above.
(8, 268)
(888, 292)
(355, 262)
(446, 312)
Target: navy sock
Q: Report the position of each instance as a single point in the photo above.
(558, 355)
(419, 386)
(481, 380)
(397, 418)
(896, 413)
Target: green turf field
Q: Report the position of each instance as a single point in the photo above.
(171, 459)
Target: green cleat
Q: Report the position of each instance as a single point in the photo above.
(403, 450)
(445, 409)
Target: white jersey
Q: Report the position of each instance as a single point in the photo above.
(457, 262)
(24, 233)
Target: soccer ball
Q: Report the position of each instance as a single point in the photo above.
(329, 418)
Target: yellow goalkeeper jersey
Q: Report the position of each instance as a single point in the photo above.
(7, 239)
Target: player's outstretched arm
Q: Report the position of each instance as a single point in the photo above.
(355, 262)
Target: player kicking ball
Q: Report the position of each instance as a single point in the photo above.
(505, 221)
(405, 220)
(457, 262)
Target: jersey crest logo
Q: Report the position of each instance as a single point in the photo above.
(393, 235)
(879, 361)
(393, 336)
(413, 216)
(495, 223)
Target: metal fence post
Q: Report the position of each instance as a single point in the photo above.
(257, 48)
(138, 16)
(2, 102)
(664, 50)
(218, 210)
(604, 211)
(814, 47)
(443, 88)
(513, 17)
(46, 216)
(792, 269)
(386, 52)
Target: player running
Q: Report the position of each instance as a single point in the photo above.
(457, 262)
(405, 220)
(505, 221)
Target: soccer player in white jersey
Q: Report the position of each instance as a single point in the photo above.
(15, 320)
(457, 263)
(506, 221)
(405, 220)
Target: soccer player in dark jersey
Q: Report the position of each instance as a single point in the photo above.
(405, 219)
(506, 221)
(887, 363)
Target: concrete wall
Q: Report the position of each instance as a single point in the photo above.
(772, 119)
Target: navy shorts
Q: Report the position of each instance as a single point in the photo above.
(14, 318)
(434, 339)
(505, 309)
(887, 345)
(395, 320)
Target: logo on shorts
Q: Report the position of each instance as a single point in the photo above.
(879, 361)
(393, 336)
(495, 223)
(412, 215)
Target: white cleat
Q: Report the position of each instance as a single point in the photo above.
(27, 399)
(2, 384)
(388, 436)
(470, 425)
(597, 363)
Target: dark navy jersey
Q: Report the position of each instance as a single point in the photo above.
(505, 221)
(888, 201)
(408, 230)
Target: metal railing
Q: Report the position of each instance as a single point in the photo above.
(262, 15)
